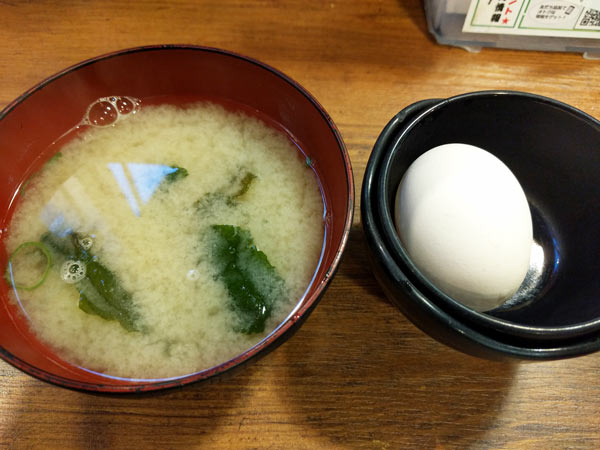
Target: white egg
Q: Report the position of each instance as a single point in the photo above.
(465, 223)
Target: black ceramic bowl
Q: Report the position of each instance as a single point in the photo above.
(554, 151)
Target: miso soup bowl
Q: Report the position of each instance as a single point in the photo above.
(165, 74)
(554, 151)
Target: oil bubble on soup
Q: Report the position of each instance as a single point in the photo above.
(109, 110)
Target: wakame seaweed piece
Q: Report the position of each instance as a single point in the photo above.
(55, 157)
(252, 282)
(226, 194)
(245, 182)
(92, 301)
(59, 246)
(116, 304)
(177, 174)
(100, 292)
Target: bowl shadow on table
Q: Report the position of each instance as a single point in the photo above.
(389, 382)
(191, 415)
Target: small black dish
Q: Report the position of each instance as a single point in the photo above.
(554, 150)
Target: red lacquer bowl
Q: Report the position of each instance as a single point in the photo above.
(31, 125)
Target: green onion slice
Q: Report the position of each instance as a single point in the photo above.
(21, 247)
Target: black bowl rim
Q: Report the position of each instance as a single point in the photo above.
(286, 328)
(397, 249)
(379, 248)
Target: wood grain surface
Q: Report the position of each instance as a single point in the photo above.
(357, 374)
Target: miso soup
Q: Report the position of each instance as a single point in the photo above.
(167, 242)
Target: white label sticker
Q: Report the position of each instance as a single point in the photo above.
(566, 18)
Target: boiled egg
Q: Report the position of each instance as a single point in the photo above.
(465, 223)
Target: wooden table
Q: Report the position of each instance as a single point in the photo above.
(357, 374)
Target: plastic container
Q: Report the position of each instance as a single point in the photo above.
(547, 25)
